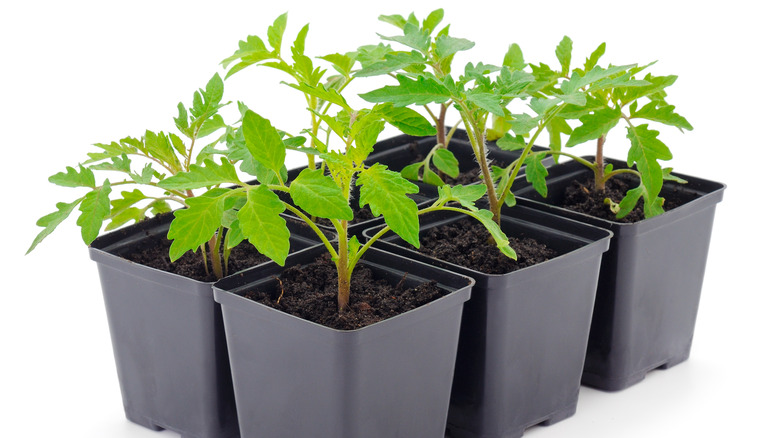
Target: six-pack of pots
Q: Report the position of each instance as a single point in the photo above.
(461, 279)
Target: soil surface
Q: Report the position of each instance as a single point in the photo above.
(465, 178)
(190, 265)
(310, 292)
(583, 197)
(467, 243)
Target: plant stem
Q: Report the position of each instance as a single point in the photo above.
(477, 140)
(213, 246)
(343, 267)
(599, 177)
(441, 136)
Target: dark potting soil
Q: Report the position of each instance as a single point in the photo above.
(190, 265)
(310, 291)
(467, 243)
(464, 177)
(584, 198)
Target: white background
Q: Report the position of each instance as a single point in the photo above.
(77, 72)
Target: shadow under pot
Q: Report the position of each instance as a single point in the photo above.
(523, 335)
(168, 337)
(294, 378)
(651, 278)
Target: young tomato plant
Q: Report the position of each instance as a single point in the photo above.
(146, 164)
(425, 53)
(615, 95)
(300, 69)
(253, 211)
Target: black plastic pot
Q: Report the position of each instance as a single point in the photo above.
(400, 151)
(650, 283)
(168, 337)
(294, 378)
(523, 336)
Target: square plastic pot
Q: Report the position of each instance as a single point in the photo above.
(400, 151)
(294, 378)
(168, 337)
(650, 283)
(523, 335)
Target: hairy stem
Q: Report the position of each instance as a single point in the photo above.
(213, 250)
(441, 134)
(342, 266)
(599, 177)
(477, 140)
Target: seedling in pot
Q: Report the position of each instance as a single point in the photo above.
(254, 210)
(614, 95)
(482, 90)
(146, 163)
(427, 54)
(300, 69)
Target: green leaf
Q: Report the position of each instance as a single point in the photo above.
(127, 200)
(407, 120)
(412, 171)
(158, 145)
(250, 52)
(195, 225)
(446, 162)
(594, 126)
(390, 63)
(464, 195)
(210, 174)
(563, 53)
(662, 113)
(511, 143)
(130, 214)
(413, 37)
(395, 19)
(365, 130)
(502, 242)
(94, 209)
(342, 63)
(74, 178)
(159, 206)
(433, 19)
(430, 177)
(514, 58)
(628, 202)
(535, 173)
(146, 175)
(276, 32)
(263, 141)
(578, 81)
(594, 57)
(421, 91)
(674, 178)
(385, 192)
(487, 101)
(328, 95)
(320, 196)
(353, 247)
(52, 220)
(523, 124)
(447, 46)
(645, 152)
(261, 224)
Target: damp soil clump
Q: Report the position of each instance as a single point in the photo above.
(467, 243)
(583, 198)
(155, 255)
(310, 291)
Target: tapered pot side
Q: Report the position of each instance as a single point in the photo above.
(400, 151)
(650, 282)
(523, 335)
(294, 378)
(168, 337)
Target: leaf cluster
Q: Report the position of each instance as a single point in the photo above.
(143, 164)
